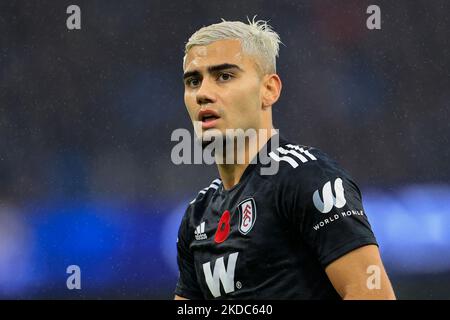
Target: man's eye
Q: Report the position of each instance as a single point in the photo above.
(192, 82)
(225, 76)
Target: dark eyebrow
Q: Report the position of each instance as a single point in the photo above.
(223, 66)
(212, 69)
(190, 74)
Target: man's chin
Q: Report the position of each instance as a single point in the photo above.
(211, 135)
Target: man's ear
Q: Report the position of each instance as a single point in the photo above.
(271, 89)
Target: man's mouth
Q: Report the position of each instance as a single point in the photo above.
(208, 118)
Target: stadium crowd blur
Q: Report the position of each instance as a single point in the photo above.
(88, 114)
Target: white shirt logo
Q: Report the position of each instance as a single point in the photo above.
(200, 232)
(247, 215)
(221, 275)
(329, 200)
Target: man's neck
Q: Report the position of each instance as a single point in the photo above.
(231, 174)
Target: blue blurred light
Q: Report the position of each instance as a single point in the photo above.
(131, 247)
(412, 226)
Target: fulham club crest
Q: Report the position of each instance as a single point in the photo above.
(247, 215)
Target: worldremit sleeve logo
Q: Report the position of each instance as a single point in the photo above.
(328, 200)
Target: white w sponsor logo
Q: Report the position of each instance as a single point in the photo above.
(220, 274)
(329, 200)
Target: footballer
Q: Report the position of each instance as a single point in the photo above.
(298, 233)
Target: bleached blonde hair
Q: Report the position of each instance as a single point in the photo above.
(257, 38)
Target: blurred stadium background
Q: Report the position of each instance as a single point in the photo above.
(86, 118)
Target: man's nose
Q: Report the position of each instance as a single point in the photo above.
(205, 94)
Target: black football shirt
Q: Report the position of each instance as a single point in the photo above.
(272, 235)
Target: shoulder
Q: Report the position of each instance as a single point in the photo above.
(319, 183)
(206, 192)
(201, 200)
(304, 168)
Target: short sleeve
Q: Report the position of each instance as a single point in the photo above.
(187, 285)
(324, 207)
